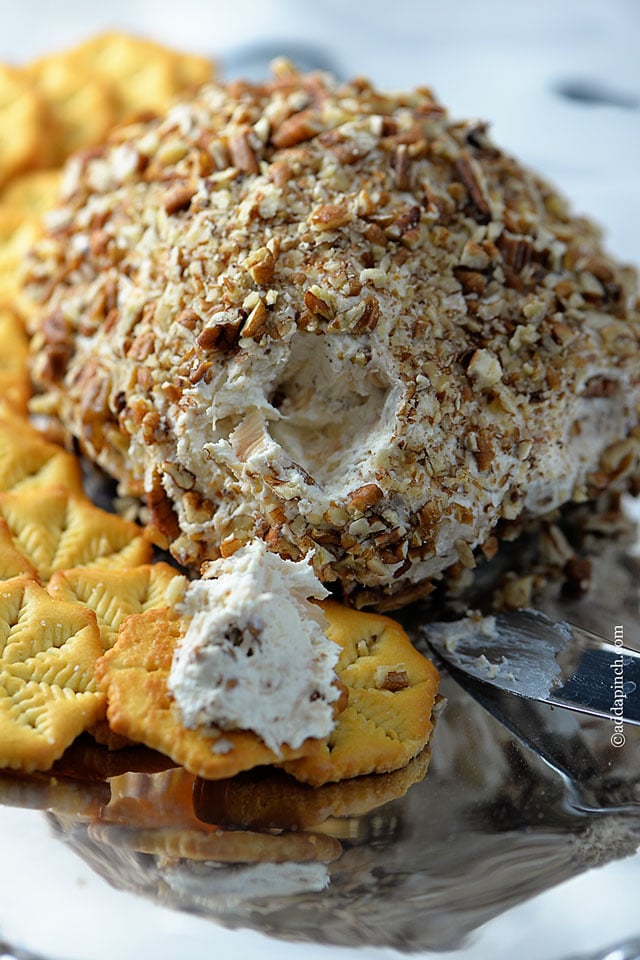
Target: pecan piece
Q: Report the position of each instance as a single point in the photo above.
(364, 316)
(471, 281)
(407, 221)
(142, 346)
(297, 128)
(164, 522)
(392, 678)
(320, 302)
(466, 170)
(577, 571)
(346, 150)
(365, 496)
(330, 216)
(600, 387)
(201, 372)
(188, 318)
(58, 347)
(517, 252)
(256, 322)
(220, 335)
(261, 263)
(178, 198)
(152, 427)
(402, 166)
(242, 153)
(561, 333)
(484, 452)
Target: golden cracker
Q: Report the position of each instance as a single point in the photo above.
(80, 106)
(134, 676)
(14, 398)
(392, 690)
(57, 530)
(15, 384)
(17, 235)
(114, 595)
(20, 121)
(33, 193)
(48, 691)
(140, 74)
(13, 562)
(104, 736)
(193, 70)
(29, 461)
(15, 343)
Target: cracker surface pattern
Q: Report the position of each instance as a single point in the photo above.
(48, 691)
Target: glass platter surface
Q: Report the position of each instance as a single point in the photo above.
(519, 833)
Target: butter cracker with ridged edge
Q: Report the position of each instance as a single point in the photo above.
(28, 460)
(80, 107)
(134, 676)
(57, 530)
(13, 563)
(115, 594)
(32, 193)
(15, 386)
(21, 115)
(392, 690)
(141, 75)
(48, 691)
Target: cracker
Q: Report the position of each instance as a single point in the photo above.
(271, 799)
(114, 594)
(28, 461)
(17, 235)
(14, 397)
(58, 530)
(134, 676)
(103, 736)
(193, 70)
(231, 846)
(13, 563)
(15, 385)
(392, 690)
(48, 691)
(140, 74)
(20, 121)
(79, 105)
(33, 193)
(13, 402)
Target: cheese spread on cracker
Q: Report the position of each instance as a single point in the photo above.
(255, 655)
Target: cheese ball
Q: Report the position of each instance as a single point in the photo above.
(337, 320)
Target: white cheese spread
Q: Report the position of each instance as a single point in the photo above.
(255, 655)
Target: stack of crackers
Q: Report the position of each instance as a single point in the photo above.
(87, 619)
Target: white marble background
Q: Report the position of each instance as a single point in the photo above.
(495, 59)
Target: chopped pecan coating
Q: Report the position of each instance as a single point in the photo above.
(336, 319)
